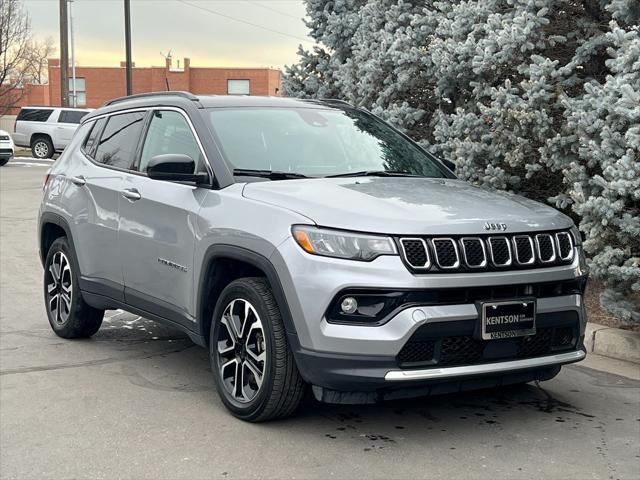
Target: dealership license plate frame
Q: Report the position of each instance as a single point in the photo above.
(520, 330)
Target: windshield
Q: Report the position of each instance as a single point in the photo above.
(315, 142)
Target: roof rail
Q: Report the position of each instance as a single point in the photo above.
(171, 93)
(334, 100)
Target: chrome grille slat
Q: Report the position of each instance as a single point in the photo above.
(523, 250)
(411, 251)
(496, 244)
(444, 249)
(545, 248)
(470, 252)
(564, 242)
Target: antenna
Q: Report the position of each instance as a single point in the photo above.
(168, 56)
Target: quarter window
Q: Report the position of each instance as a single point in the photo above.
(90, 142)
(71, 116)
(119, 140)
(169, 132)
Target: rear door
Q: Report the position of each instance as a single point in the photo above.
(157, 221)
(96, 183)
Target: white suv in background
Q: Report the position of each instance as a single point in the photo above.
(6, 148)
(47, 130)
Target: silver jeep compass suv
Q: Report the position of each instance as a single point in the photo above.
(306, 243)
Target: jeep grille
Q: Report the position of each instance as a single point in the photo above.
(487, 252)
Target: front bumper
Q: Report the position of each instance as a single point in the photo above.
(365, 358)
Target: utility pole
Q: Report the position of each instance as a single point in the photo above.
(64, 55)
(74, 95)
(127, 41)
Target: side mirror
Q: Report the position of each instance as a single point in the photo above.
(175, 167)
(449, 164)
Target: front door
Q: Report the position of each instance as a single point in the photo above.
(157, 220)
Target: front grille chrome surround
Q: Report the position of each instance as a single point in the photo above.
(564, 237)
(427, 264)
(492, 251)
(438, 252)
(541, 248)
(487, 252)
(464, 243)
(519, 255)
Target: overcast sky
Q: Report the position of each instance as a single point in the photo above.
(187, 30)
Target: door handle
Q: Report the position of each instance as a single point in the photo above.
(79, 180)
(131, 194)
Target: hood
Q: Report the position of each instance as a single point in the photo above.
(406, 205)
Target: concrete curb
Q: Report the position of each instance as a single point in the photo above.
(612, 342)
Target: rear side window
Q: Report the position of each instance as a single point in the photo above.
(34, 114)
(71, 116)
(90, 141)
(119, 139)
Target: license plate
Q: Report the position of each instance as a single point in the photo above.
(515, 318)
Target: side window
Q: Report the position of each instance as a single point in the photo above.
(169, 132)
(71, 116)
(119, 139)
(90, 141)
(34, 114)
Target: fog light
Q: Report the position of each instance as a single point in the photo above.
(349, 305)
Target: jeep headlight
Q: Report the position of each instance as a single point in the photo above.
(342, 244)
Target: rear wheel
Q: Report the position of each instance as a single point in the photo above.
(69, 315)
(4, 161)
(255, 373)
(41, 147)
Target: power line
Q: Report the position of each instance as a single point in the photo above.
(262, 27)
(273, 9)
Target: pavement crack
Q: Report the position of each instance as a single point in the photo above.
(90, 363)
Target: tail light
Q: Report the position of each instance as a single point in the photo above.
(47, 177)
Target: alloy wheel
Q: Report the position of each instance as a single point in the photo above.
(41, 149)
(241, 350)
(59, 288)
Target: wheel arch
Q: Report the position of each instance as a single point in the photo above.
(53, 226)
(37, 135)
(225, 263)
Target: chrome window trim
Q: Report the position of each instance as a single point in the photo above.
(493, 260)
(571, 246)
(553, 247)
(455, 248)
(464, 252)
(147, 109)
(496, 367)
(515, 250)
(426, 249)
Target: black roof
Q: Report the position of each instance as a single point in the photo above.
(177, 99)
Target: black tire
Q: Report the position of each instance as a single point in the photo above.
(74, 319)
(4, 161)
(282, 388)
(41, 147)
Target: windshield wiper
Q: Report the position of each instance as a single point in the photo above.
(270, 174)
(375, 173)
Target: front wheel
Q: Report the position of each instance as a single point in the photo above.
(254, 370)
(4, 161)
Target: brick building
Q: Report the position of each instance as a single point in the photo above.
(96, 85)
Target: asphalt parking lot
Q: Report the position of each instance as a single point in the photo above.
(137, 401)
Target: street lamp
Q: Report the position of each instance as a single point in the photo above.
(74, 95)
